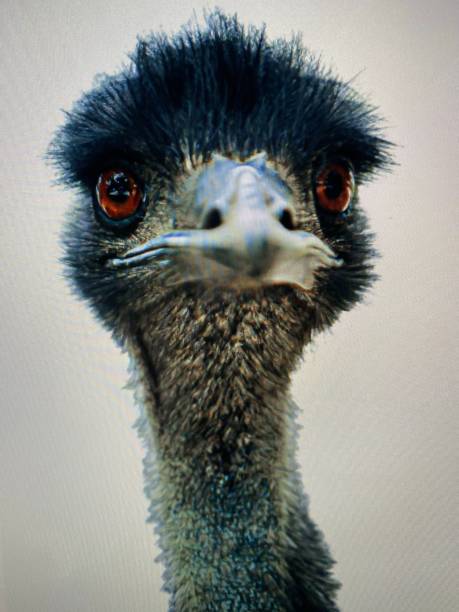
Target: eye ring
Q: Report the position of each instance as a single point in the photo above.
(119, 199)
(334, 187)
(118, 193)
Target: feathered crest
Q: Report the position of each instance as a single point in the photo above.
(218, 87)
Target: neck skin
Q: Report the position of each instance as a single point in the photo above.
(225, 497)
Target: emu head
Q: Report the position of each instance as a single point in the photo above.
(218, 161)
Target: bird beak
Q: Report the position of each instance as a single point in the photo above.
(246, 244)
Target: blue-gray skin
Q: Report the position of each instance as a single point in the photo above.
(215, 284)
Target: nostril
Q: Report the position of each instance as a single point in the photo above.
(286, 219)
(213, 219)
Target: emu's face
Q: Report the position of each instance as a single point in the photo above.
(239, 226)
(224, 224)
(219, 162)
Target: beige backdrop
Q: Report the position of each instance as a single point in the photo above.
(378, 394)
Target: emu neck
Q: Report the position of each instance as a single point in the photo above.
(215, 374)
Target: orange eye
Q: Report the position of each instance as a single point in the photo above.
(334, 187)
(118, 194)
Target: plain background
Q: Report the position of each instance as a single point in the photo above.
(378, 394)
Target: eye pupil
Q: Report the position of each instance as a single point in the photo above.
(333, 185)
(118, 187)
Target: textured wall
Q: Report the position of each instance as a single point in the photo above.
(378, 394)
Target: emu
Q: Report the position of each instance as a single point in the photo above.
(216, 231)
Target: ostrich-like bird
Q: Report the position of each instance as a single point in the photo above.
(217, 229)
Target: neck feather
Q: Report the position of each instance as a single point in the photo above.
(215, 381)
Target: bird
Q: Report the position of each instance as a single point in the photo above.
(215, 232)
